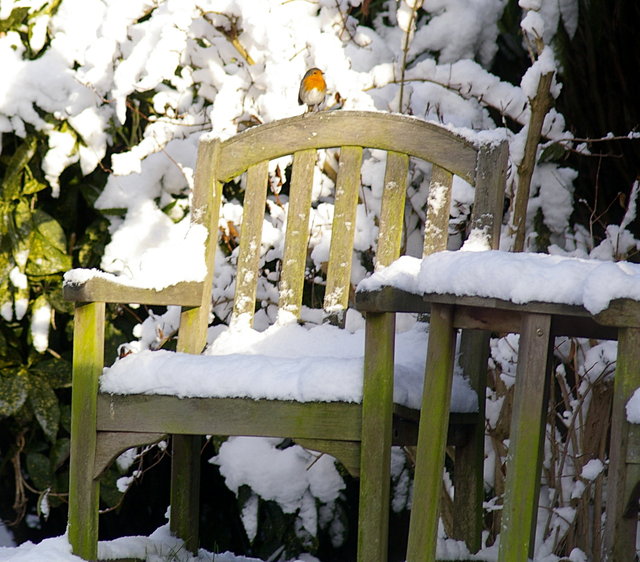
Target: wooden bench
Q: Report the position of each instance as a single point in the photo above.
(358, 433)
(538, 322)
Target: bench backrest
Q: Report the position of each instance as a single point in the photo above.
(482, 165)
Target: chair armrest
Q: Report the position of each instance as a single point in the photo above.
(86, 287)
(390, 299)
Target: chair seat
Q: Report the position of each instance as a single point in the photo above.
(285, 362)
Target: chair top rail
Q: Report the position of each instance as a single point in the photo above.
(329, 129)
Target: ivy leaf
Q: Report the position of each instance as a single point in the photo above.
(39, 470)
(109, 492)
(32, 185)
(60, 452)
(11, 186)
(45, 407)
(14, 388)
(48, 252)
(55, 372)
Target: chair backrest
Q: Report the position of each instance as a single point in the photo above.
(480, 164)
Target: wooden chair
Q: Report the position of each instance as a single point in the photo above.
(476, 306)
(358, 434)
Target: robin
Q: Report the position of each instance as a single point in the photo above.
(313, 89)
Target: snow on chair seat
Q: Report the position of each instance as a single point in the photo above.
(318, 364)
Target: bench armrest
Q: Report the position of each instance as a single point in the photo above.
(83, 286)
(390, 299)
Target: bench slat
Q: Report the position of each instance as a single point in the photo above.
(392, 210)
(436, 228)
(250, 241)
(297, 233)
(343, 230)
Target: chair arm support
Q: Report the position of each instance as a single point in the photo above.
(104, 289)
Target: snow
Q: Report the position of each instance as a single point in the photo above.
(285, 362)
(160, 545)
(182, 246)
(633, 407)
(516, 277)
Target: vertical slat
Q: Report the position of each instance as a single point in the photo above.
(486, 216)
(375, 457)
(185, 460)
(392, 210)
(205, 210)
(343, 230)
(468, 476)
(623, 477)
(432, 435)
(297, 233)
(255, 197)
(436, 227)
(526, 439)
(88, 362)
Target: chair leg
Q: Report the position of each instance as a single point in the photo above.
(432, 436)
(526, 439)
(623, 478)
(84, 491)
(185, 489)
(468, 477)
(375, 454)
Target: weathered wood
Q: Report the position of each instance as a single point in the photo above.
(185, 464)
(375, 463)
(436, 228)
(327, 129)
(184, 514)
(526, 439)
(347, 452)
(390, 299)
(255, 197)
(623, 477)
(297, 233)
(110, 445)
(392, 209)
(88, 362)
(486, 215)
(336, 298)
(100, 289)
(207, 196)
(229, 416)
(479, 313)
(432, 436)
(621, 313)
(469, 457)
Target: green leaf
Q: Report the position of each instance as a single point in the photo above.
(32, 185)
(39, 470)
(45, 407)
(60, 452)
(17, 17)
(48, 252)
(554, 152)
(11, 185)
(109, 492)
(55, 372)
(14, 388)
